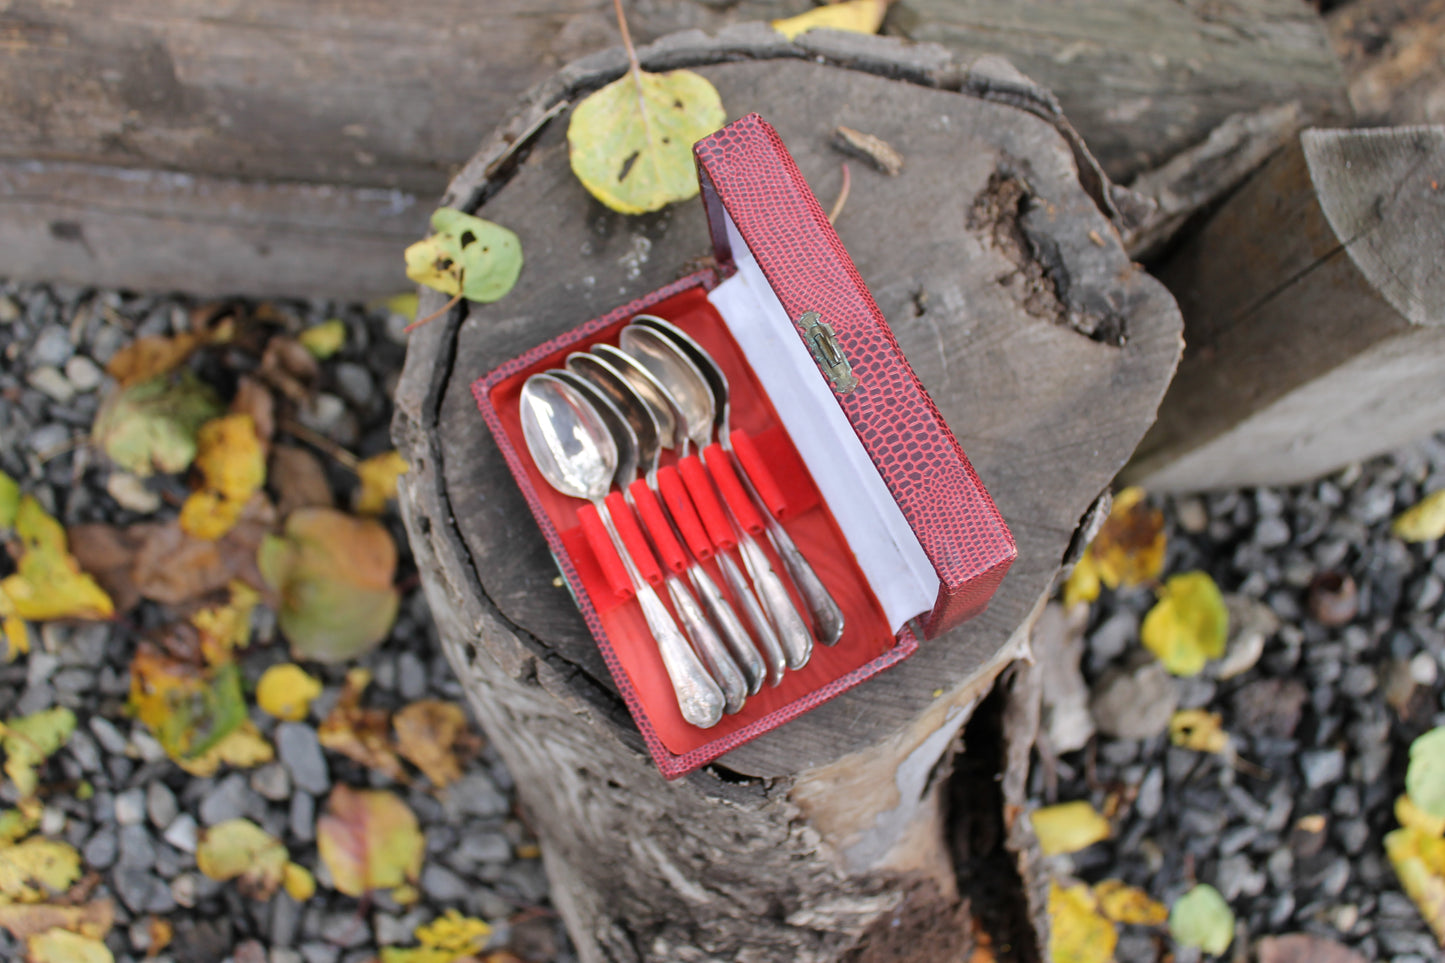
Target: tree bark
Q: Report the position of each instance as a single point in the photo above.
(1046, 350)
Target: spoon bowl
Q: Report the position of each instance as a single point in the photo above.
(687, 386)
(568, 440)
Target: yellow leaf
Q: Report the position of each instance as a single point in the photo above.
(426, 736)
(286, 690)
(1077, 933)
(358, 733)
(378, 476)
(446, 939)
(232, 467)
(324, 339)
(299, 883)
(152, 425)
(1419, 861)
(1128, 904)
(1068, 827)
(239, 849)
(188, 708)
(17, 823)
(1425, 522)
(334, 574)
(1412, 816)
(1083, 582)
(36, 869)
(855, 16)
(1198, 730)
(1189, 625)
(226, 628)
(17, 635)
(152, 356)
(62, 946)
(161, 932)
(30, 740)
(9, 500)
(403, 304)
(369, 840)
(48, 582)
(468, 256)
(24, 920)
(243, 747)
(1129, 549)
(630, 143)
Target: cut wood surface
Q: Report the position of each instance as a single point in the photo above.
(145, 130)
(1314, 303)
(1047, 352)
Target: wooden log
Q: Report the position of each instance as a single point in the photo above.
(1314, 305)
(1046, 350)
(1144, 80)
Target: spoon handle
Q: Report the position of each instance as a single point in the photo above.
(793, 632)
(698, 696)
(777, 662)
(730, 627)
(827, 616)
(706, 642)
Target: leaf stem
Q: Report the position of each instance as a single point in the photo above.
(842, 196)
(320, 441)
(626, 37)
(435, 314)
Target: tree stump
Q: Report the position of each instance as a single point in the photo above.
(1046, 350)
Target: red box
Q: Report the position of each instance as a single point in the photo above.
(875, 489)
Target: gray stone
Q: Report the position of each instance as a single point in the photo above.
(355, 384)
(1114, 635)
(182, 833)
(284, 923)
(300, 753)
(160, 804)
(52, 347)
(137, 849)
(443, 885)
(1358, 681)
(84, 751)
(1134, 702)
(105, 732)
(475, 795)
(130, 807)
(272, 782)
(303, 817)
(9, 311)
(102, 849)
(185, 889)
(131, 493)
(1151, 794)
(1280, 868)
(1271, 532)
(344, 929)
(319, 953)
(1236, 876)
(280, 954)
(1335, 878)
(51, 383)
(83, 374)
(231, 798)
(1320, 767)
(1354, 835)
(410, 677)
(142, 891)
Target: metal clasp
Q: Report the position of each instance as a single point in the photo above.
(827, 352)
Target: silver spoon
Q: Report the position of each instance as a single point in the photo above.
(705, 641)
(576, 454)
(642, 421)
(685, 387)
(827, 616)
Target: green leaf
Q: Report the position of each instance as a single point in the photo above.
(467, 255)
(189, 708)
(630, 143)
(9, 500)
(324, 339)
(334, 575)
(1189, 625)
(1425, 779)
(153, 425)
(1201, 918)
(30, 740)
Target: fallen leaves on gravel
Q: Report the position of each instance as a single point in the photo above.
(226, 628)
(37, 869)
(232, 469)
(242, 748)
(1423, 523)
(447, 939)
(1425, 777)
(630, 143)
(239, 849)
(1078, 932)
(152, 425)
(427, 735)
(467, 256)
(149, 357)
(286, 691)
(325, 339)
(1130, 905)
(298, 479)
(333, 574)
(30, 740)
(1303, 948)
(378, 475)
(1201, 918)
(360, 734)
(48, 582)
(1068, 827)
(24, 920)
(1127, 551)
(63, 946)
(1189, 625)
(1198, 729)
(1419, 862)
(188, 707)
(369, 840)
(854, 16)
(9, 500)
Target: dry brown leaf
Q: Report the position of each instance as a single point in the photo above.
(875, 150)
(427, 736)
(94, 919)
(298, 479)
(289, 368)
(161, 933)
(1303, 948)
(253, 399)
(145, 358)
(361, 734)
(108, 554)
(172, 567)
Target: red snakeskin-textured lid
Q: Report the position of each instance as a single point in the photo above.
(747, 174)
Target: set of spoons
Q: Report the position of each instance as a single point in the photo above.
(601, 423)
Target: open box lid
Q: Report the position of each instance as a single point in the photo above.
(781, 257)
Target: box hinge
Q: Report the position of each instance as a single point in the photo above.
(827, 352)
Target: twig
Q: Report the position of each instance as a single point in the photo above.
(437, 313)
(320, 441)
(842, 196)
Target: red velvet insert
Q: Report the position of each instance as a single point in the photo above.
(744, 509)
(650, 509)
(709, 507)
(679, 504)
(794, 499)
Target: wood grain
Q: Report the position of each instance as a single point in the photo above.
(724, 864)
(1314, 303)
